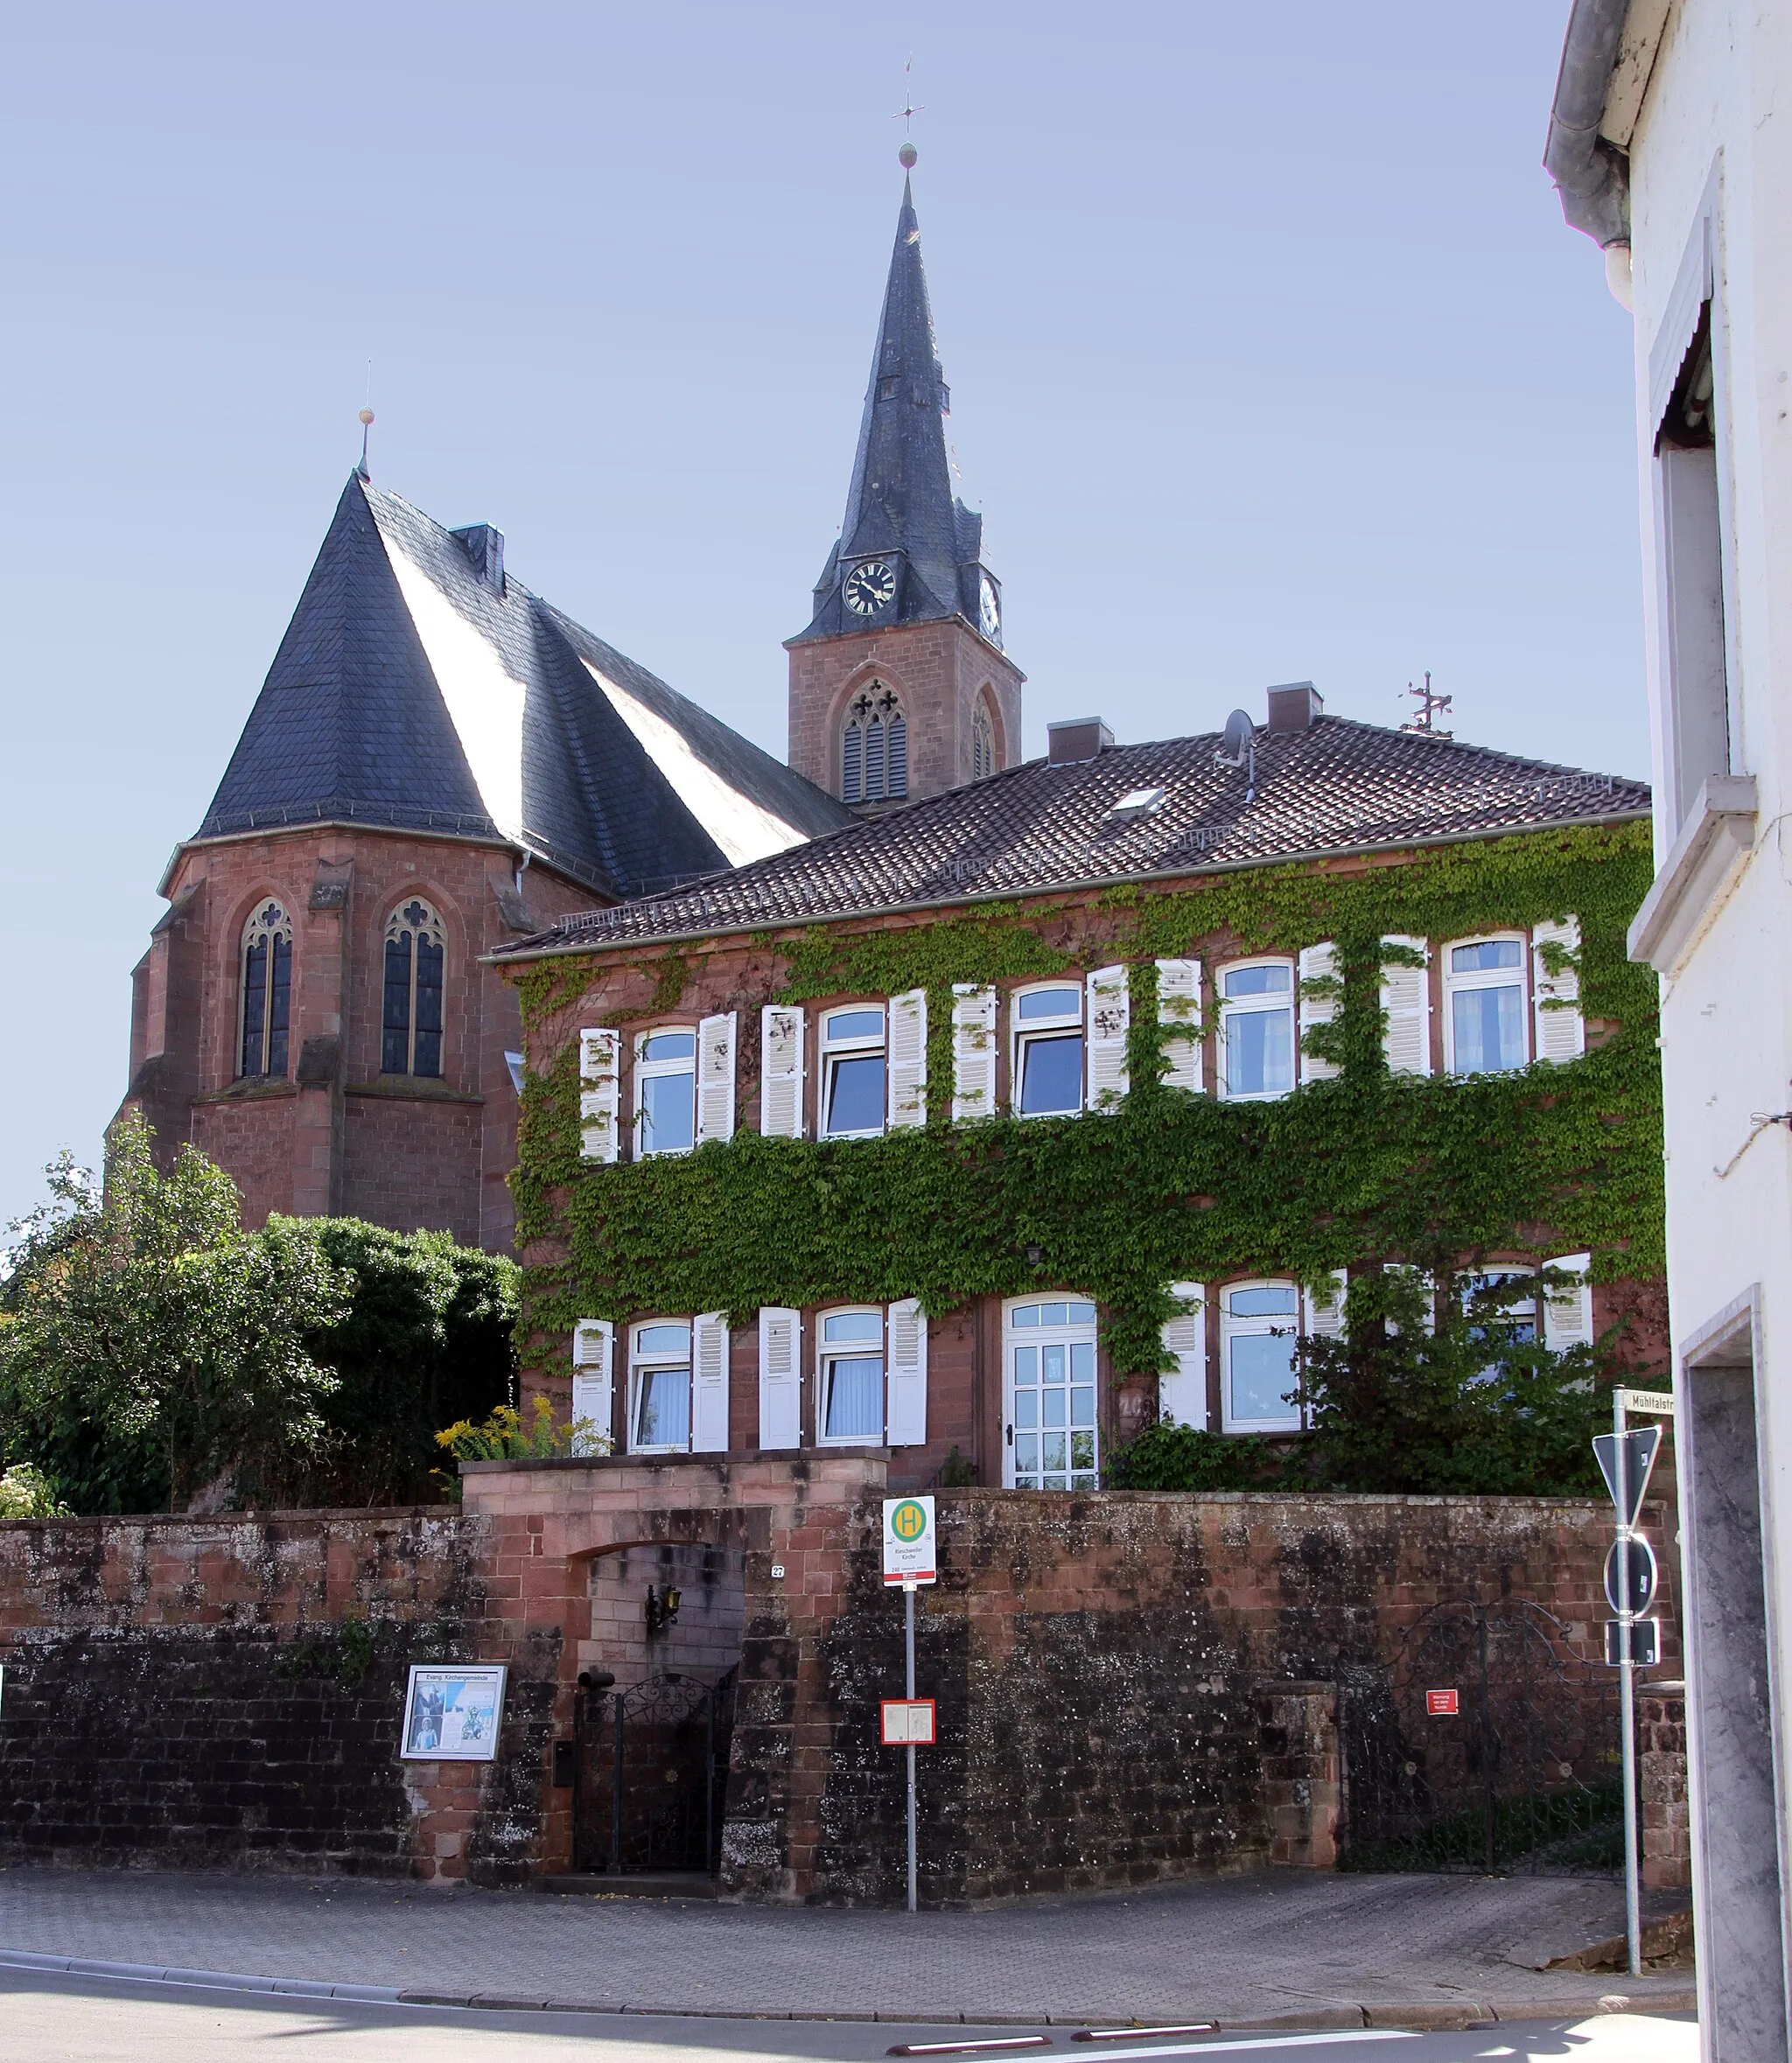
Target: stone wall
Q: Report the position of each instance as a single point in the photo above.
(1131, 1687)
(228, 1693)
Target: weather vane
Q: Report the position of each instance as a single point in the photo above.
(1432, 706)
(905, 114)
(366, 422)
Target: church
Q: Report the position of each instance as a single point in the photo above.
(440, 762)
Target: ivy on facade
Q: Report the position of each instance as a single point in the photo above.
(1170, 1186)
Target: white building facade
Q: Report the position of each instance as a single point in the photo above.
(1672, 144)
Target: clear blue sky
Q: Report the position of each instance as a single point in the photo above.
(1271, 358)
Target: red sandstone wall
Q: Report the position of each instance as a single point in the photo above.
(432, 1153)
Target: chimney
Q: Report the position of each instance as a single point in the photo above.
(1294, 706)
(484, 547)
(1082, 737)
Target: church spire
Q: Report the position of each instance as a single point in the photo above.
(908, 550)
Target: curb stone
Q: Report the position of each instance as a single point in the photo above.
(1424, 2017)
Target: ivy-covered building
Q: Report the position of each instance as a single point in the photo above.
(992, 1128)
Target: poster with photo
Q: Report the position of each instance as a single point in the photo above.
(453, 1712)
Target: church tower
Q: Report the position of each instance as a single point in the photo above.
(899, 687)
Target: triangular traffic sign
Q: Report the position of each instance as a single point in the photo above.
(1640, 1447)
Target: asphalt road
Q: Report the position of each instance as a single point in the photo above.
(46, 2020)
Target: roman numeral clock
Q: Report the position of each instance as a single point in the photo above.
(871, 587)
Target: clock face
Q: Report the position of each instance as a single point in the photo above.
(989, 609)
(870, 587)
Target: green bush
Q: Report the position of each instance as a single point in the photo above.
(1170, 1457)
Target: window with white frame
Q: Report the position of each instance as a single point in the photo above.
(1051, 1439)
(852, 1072)
(1048, 1050)
(659, 1388)
(1484, 1012)
(850, 1379)
(1505, 1302)
(665, 1090)
(1257, 1030)
(1260, 1357)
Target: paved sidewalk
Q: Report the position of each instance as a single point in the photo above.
(1237, 1948)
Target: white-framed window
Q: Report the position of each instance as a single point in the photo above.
(849, 1378)
(665, 1090)
(1260, 1357)
(853, 1068)
(658, 1387)
(1257, 1030)
(1485, 1018)
(1052, 1440)
(1047, 1022)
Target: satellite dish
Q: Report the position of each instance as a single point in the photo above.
(1240, 736)
(1238, 748)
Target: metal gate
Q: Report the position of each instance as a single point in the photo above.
(1488, 1746)
(651, 1774)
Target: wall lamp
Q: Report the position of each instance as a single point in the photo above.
(663, 1607)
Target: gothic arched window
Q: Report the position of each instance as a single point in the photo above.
(983, 744)
(411, 1040)
(267, 992)
(874, 748)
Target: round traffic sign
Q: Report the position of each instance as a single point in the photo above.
(1630, 1575)
(909, 1520)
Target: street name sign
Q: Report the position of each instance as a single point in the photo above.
(1645, 1643)
(908, 1722)
(908, 1540)
(1630, 1575)
(1640, 1448)
(1653, 1404)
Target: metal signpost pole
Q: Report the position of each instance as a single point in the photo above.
(1626, 1695)
(908, 1591)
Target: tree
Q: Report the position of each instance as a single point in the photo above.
(148, 1316)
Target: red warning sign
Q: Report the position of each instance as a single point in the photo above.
(1441, 1704)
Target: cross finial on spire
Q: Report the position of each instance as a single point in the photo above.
(908, 156)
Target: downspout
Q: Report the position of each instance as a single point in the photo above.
(1592, 175)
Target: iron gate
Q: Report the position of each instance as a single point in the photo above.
(651, 1774)
(1523, 1775)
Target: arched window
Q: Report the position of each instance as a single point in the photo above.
(874, 748)
(267, 992)
(411, 1030)
(983, 744)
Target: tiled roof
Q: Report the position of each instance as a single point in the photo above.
(420, 686)
(1338, 787)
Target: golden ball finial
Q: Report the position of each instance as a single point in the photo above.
(906, 156)
(367, 416)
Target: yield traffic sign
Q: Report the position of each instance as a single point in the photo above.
(1640, 1447)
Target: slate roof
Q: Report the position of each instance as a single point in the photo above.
(419, 685)
(1338, 787)
(900, 506)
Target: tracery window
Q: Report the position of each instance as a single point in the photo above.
(267, 992)
(874, 748)
(411, 1022)
(983, 744)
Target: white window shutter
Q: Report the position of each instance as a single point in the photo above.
(600, 1066)
(1317, 964)
(1406, 1000)
(780, 1388)
(907, 1410)
(1178, 1012)
(709, 1383)
(715, 1079)
(973, 1052)
(1561, 1030)
(1422, 1281)
(1323, 1309)
(593, 1348)
(1182, 1391)
(780, 1071)
(1568, 1307)
(906, 1072)
(1110, 1014)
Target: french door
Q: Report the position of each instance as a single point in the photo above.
(1050, 1437)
